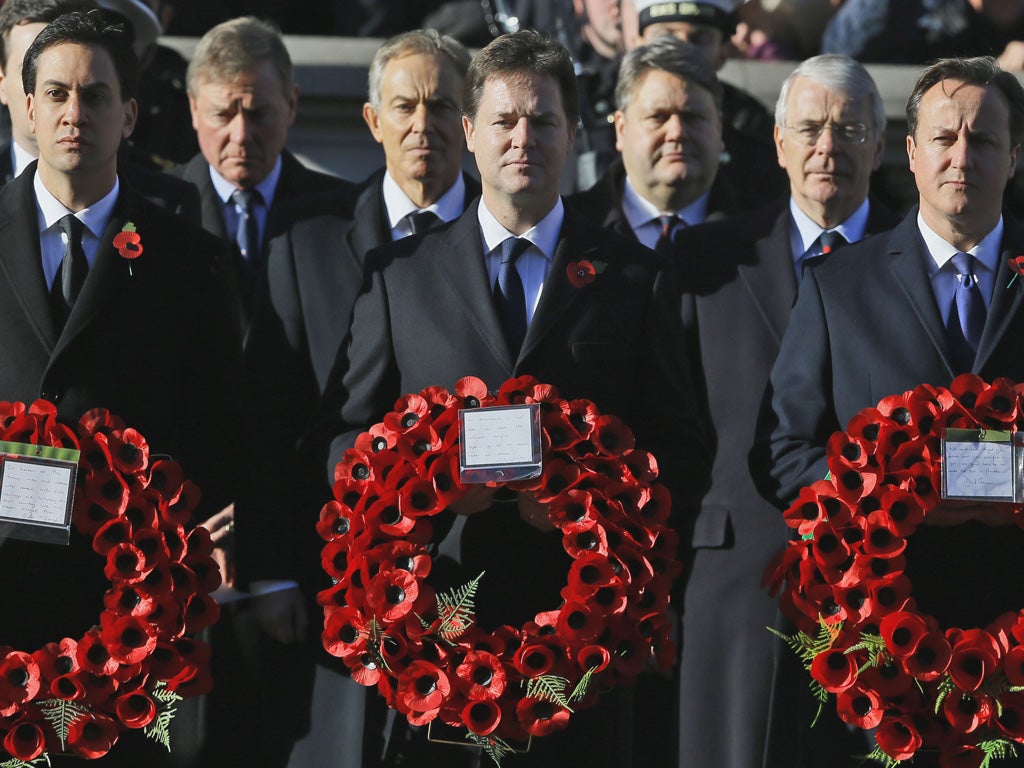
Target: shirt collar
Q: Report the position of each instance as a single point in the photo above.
(987, 251)
(398, 205)
(544, 234)
(639, 210)
(21, 158)
(225, 189)
(808, 230)
(95, 217)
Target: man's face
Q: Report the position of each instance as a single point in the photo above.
(831, 172)
(11, 91)
(521, 139)
(960, 154)
(670, 137)
(242, 125)
(706, 38)
(602, 16)
(76, 112)
(419, 124)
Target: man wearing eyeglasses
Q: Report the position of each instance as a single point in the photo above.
(742, 275)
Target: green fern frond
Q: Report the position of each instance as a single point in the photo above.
(821, 696)
(807, 647)
(493, 747)
(61, 713)
(996, 749)
(456, 610)
(945, 687)
(165, 695)
(580, 691)
(879, 756)
(16, 763)
(873, 644)
(549, 688)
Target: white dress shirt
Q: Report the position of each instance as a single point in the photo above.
(398, 205)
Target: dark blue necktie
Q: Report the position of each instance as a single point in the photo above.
(668, 224)
(248, 234)
(509, 296)
(828, 241)
(421, 221)
(967, 314)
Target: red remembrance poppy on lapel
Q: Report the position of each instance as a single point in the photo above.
(128, 242)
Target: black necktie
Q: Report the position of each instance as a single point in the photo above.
(828, 241)
(70, 277)
(668, 224)
(509, 296)
(966, 315)
(421, 221)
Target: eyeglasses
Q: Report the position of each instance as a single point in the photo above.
(848, 133)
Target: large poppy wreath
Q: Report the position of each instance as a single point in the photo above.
(424, 651)
(76, 696)
(860, 632)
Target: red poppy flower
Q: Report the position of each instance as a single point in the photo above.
(998, 405)
(92, 736)
(392, 594)
(815, 504)
(882, 537)
(860, 707)
(930, 658)
(68, 687)
(443, 473)
(898, 737)
(422, 687)
(19, 677)
(355, 467)
(24, 741)
(975, 656)
(534, 659)
(418, 499)
(407, 413)
(345, 633)
(902, 633)
(581, 273)
(967, 712)
(482, 675)
(472, 390)
(887, 678)
(482, 717)
(385, 515)
(961, 756)
(128, 639)
(128, 242)
(135, 710)
(201, 610)
(541, 717)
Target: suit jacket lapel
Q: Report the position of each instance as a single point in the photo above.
(20, 258)
(769, 279)
(1006, 301)
(909, 268)
(370, 227)
(460, 263)
(558, 294)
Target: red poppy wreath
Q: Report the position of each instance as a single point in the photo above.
(860, 632)
(76, 696)
(424, 651)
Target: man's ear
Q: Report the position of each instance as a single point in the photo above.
(372, 119)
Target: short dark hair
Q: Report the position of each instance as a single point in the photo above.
(668, 54)
(524, 51)
(979, 70)
(95, 28)
(425, 42)
(16, 12)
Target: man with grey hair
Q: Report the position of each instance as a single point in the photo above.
(922, 304)
(741, 278)
(668, 130)
(300, 319)
(243, 99)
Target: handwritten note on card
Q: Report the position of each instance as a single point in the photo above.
(35, 492)
(500, 443)
(979, 470)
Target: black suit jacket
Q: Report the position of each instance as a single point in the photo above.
(297, 182)
(300, 319)
(159, 347)
(602, 203)
(738, 288)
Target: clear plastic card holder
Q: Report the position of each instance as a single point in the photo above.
(499, 444)
(37, 492)
(983, 465)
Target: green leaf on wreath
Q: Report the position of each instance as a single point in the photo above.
(61, 713)
(880, 756)
(455, 609)
(16, 763)
(807, 647)
(580, 691)
(549, 688)
(996, 749)
(493, 747)
(160, 729)
(943, 690)
(821, 696)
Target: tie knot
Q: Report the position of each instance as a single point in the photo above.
(73, 227)
(963, 263)
(668, 222)
(421, 221)
(513, 248)
(830, 240)
(246, 199)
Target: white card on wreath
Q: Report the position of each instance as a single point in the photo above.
(981, 464)
(37, 492)
(500, 443)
